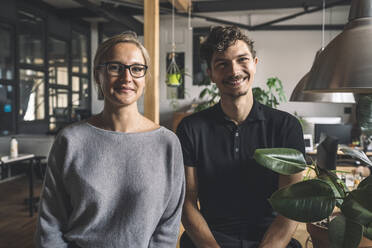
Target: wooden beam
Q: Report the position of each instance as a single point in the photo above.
(151, 36)
(181, 5)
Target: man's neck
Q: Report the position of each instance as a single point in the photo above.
(237, 109)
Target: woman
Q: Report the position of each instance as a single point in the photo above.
(117, 179)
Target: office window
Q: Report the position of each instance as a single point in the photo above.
(6, 55)
(58, 108)
(80, 85)
(7, 90)
(80, 92)
(57, 62)
(30, 38)
(79, 51)
(31, 95)
(59, 87)
(6, 109)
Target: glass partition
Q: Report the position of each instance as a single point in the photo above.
(58, 65)
(6, 55)
(58, 108)
(79, 51)
(31, 92)
(30, 38)
(6, 109)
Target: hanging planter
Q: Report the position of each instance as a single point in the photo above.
(174, 79)
(174, 75)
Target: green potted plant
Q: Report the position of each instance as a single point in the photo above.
(273, 95)
(315, 199)
(212, 94)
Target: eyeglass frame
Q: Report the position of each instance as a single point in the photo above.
(125, 67)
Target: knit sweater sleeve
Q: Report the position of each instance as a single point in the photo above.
(54, 204)
(169, 224)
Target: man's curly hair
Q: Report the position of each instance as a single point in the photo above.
(220, 38)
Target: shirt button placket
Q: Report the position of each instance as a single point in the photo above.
(236, 144)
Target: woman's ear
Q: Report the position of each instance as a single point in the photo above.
(96, 77)
(98, 81)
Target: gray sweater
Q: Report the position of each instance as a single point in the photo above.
(112, 189)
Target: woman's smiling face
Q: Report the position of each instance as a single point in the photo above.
(123, 89)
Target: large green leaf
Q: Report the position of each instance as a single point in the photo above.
(357, 154)
(284, 161)
(336, 184)
(367, 231)
(366, 181)
(344, 233)
(357, 205)
(307, 201)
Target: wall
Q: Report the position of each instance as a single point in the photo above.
(285, 54)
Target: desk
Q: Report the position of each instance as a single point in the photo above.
(33, 160)
(339, 153)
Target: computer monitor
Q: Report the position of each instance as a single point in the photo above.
(341, 131)
(327, 153)
(308, 139)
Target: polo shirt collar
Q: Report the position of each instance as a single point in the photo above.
(256, 113)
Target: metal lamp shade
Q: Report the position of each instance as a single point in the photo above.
(298, 94)
(345, 65)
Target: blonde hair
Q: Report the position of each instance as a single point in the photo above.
(107, 45)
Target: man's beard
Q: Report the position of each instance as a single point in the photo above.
(236, 95)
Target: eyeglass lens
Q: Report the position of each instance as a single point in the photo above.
(136, 70)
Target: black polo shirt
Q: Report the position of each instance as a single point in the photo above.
(233, 188)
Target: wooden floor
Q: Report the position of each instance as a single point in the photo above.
(17, 228)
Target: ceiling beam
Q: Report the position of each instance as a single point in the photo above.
(306, 11)
(266, 24)
(76, 12)
(181, 5)
(239, 5)
(112, 14)
(300, 27)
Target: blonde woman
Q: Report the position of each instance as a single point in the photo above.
(116, 180)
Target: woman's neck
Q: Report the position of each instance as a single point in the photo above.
(124, 119)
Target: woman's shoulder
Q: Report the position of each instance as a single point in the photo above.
(74, 130)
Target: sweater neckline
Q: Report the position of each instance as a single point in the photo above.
(122, 133)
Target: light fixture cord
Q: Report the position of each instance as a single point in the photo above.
(323, 24)
(173, 42)
(189, 16)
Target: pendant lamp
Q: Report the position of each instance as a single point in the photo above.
(298, 94)
(345, 65)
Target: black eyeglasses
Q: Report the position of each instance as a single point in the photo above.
(116, 69)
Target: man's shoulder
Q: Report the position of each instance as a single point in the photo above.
(276, 115)
(200, 117)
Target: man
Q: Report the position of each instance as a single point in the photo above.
(218, 145)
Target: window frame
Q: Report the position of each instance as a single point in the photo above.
(6, 24)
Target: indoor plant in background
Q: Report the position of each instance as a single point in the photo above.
(273, 96)
(315, 199)
(270, 97)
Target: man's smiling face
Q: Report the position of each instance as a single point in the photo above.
(233, 70)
